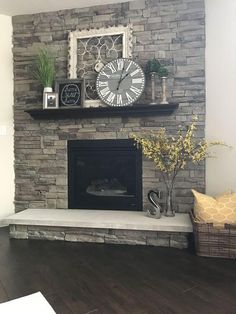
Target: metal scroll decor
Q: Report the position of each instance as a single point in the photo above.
(90, 50)
(155, 210)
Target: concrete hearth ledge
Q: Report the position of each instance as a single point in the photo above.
(127, 220)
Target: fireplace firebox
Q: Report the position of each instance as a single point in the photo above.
(104, 174)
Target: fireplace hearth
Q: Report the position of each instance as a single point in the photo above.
(104, 174)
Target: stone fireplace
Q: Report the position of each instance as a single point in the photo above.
(104, 174)
(173, 32)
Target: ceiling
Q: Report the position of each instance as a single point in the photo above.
(19, 7)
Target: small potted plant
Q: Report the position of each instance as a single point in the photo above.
(163, 74)
(152, 68)
(44, 69)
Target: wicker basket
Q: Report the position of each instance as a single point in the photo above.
(212, 241)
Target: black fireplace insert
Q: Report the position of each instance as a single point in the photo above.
(104, 174)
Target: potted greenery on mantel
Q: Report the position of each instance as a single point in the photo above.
(154, 68)
(44, 69)
(163, 74)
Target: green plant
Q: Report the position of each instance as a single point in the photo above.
(162, 72)
(152, 66)
(44, 68)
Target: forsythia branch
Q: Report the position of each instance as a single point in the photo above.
(171, 154)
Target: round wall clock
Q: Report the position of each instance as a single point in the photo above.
(120, 82)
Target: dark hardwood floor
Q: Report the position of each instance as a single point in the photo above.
(106, 279)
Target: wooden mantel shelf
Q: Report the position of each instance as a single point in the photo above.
(135, 110)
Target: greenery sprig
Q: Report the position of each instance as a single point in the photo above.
(152, 66)
(163, 72)
(44, 68)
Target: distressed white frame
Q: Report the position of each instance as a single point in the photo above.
(127, 41)
(125, 31)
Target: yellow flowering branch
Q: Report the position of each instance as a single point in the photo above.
(171, 154)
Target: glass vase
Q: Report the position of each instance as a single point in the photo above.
(169, 208)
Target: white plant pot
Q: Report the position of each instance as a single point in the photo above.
(47, 90)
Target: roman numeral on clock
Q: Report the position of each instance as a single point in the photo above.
(119, 99)
(105, 74)
(129, 98)
(120, 64)
(105, 91)
(103, 84)
(134, 72)
(137, 81)
(127, 69)
(135, 90)
(111, 67)
(111, 97)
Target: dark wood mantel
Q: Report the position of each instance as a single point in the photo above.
(135, 110)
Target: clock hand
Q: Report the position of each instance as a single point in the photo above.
(121, 76)
(124, 77)
(121, 79)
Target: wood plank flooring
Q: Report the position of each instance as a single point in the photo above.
(106, 279)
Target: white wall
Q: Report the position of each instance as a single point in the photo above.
(6, 118)
(221, 92)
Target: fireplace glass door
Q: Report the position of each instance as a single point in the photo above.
(104, 174)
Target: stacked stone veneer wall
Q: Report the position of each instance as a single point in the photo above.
(179, 240)
(172, 31)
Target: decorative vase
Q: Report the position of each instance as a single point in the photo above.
(163, 87)
(153, 85)
(169, 209)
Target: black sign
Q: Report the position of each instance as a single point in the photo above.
(70, 92)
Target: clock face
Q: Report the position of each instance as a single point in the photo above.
(120, 82)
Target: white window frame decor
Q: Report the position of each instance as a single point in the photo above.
(127, 41)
